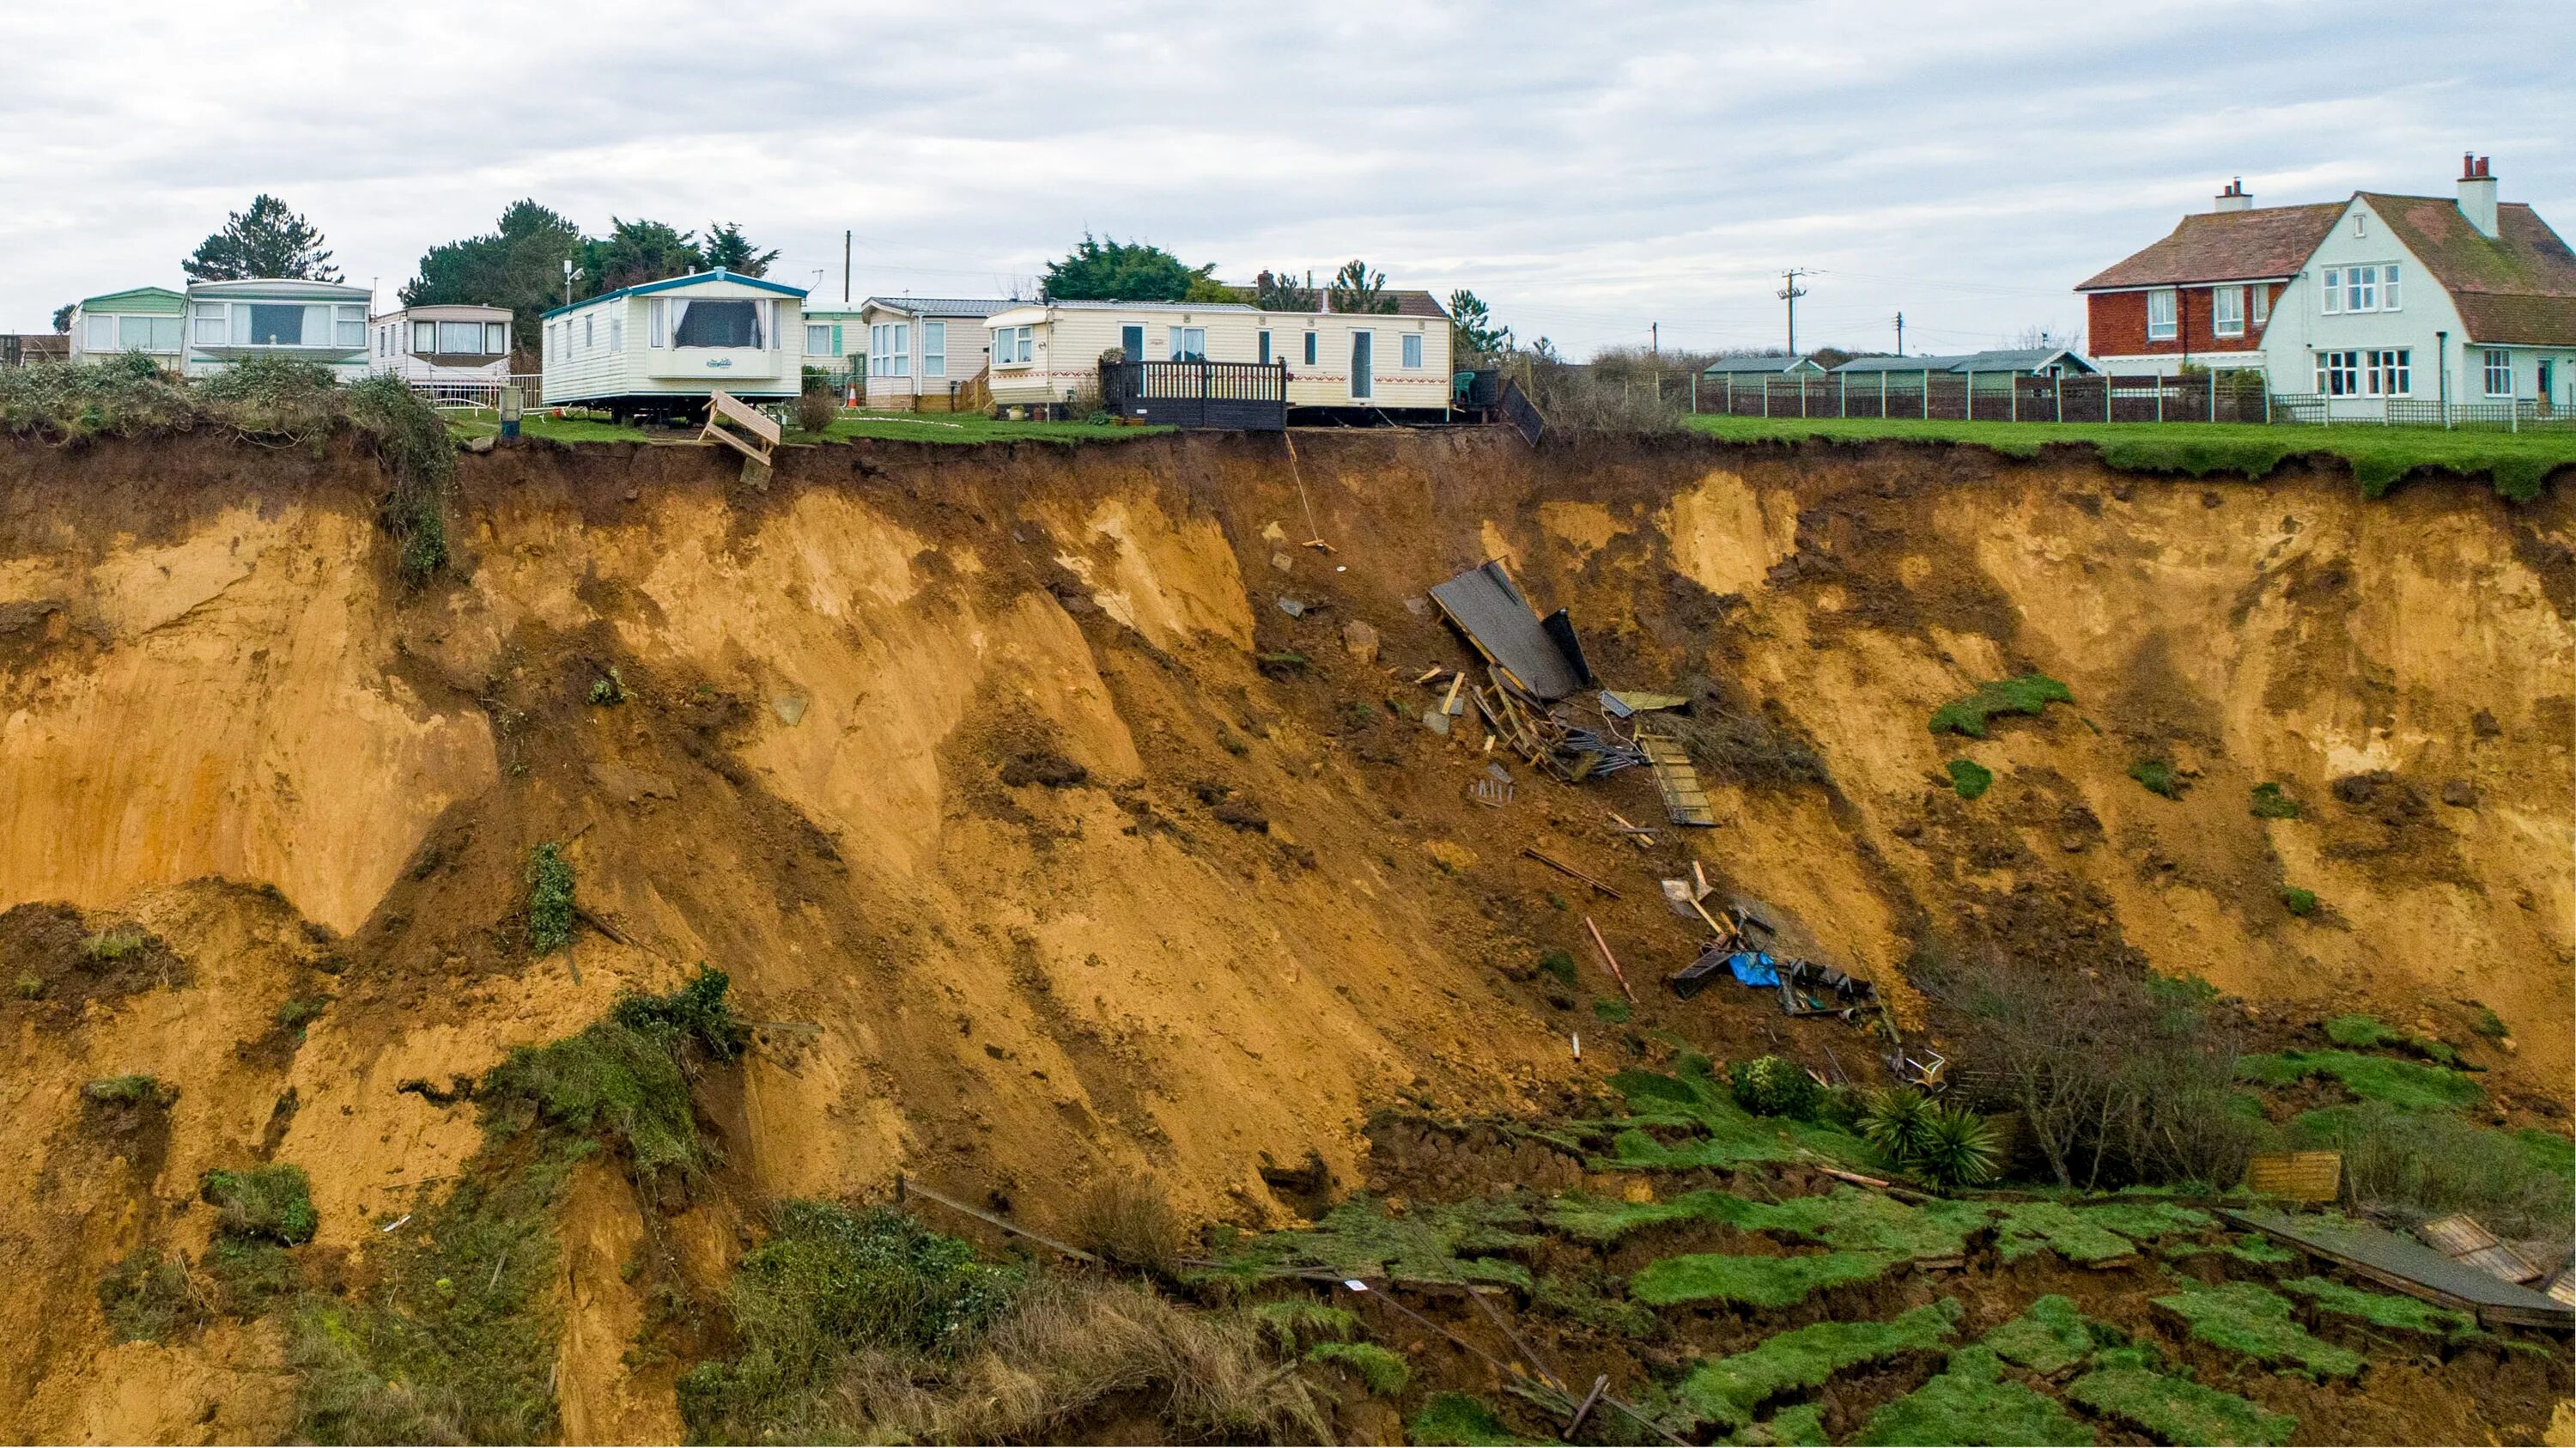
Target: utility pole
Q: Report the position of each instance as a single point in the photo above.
(1900, 334)
(1654, 339)
(1790, 292)
(845, 268)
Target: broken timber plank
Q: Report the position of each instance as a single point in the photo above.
(1609, 960)
(1563, 868)
(1684, 800)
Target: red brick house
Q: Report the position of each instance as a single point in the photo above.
(2204, 294)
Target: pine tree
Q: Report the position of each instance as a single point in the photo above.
(1357, 289)
(728, 248)
(266, 241)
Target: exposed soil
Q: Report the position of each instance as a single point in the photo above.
(967, 764)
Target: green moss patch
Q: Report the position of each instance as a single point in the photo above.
(1969, 778)
(2029, 694)
(1750, 1281)
(1728, 1390)
(2049, 1337)
(2243, 1318)
(2410, 1085)
(1973, 1402)
(2177, 1410)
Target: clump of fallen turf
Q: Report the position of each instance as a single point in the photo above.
(2049, 1337)
(1973, 1402)
(549, 900)
(2159, 777)
(1362, 1238)
(2364, 1033)
(146, 1298)
(2298, 901)
(2028, 694)
(2381, 1309)
(1385, 1373)
(2177, 1410)
(1969, 778)
(1726, 1391)
(1750, 1281)
(2408, 1085)
(2241, 1317)
(266, 1203)
(1459, 1418)
(1800, 1425)
(2270, 803)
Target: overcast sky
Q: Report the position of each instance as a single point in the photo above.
(1589, 170)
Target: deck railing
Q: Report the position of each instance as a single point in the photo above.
(1249, 395)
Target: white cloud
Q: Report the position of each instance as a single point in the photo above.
(1589, 169)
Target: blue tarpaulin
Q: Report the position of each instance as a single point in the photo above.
(1753, 967)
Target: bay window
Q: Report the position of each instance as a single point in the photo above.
(717, 322)
(1014, 346)
(2161, 314)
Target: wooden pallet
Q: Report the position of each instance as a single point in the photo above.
(1684, 799)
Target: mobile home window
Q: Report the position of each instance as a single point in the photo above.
(818, 339)
(210, 324)
(616, 334)
(496, 337)
(269, 324)
(1131, 343)
(2160, 316)
(934, 349)
(1413, 351)
(2227, 311)
(2339, 374)
(349, 328)
(1013, 346)
(590, 332)
(2499, 372)
(1310, 349)
(424, 337)
(716, 322)
(2333, 291)
(98, 333)
(462, 337)
(1188, 344)
(147, 334)
(1265, 348)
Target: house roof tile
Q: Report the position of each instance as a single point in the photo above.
(2516, 287)
(2225, 246)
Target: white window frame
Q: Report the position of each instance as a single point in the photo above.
(2388, 372)
(2169, 326)
(349, 328)
(2342, 365)
(590, 331)
(616, 332)
(1412, 353)
(98, 332)
(1185, 344)
(2361, 289)
(2391, 298)
(2261, 311)
(2499, 364)
(423, 332)
(496, 338)
(934, 349)
(2333, 291)
(2227, 311)
(811, 350)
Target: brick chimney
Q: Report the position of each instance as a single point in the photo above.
(2235, 197)
(2477, 193)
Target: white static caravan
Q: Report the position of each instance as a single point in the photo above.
(661, 347)
(322, 322)
(1398, 362)
(442, 343)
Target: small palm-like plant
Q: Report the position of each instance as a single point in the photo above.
(1959, 1148)
(1896, 1122)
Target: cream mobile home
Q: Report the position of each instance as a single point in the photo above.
(442, 343)
(922, 350)
(661, 347)
(1389, 364)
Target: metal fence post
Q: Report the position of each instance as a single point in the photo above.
(1842, 395)
(2013, 381)
(2061, 396)
(2160, 397)
(1766, 397)
(2213, 394)
(1694, 394)
(1927, 394)
(1882, 396)
(1972, 395)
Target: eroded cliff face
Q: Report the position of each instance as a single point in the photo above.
(967, 766)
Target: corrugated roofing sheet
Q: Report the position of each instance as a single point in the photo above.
(1489, 609)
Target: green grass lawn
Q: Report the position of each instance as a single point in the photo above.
(2516, 463)
(483, 422)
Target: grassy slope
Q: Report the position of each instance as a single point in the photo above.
(2517, 463)
(899, 427)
